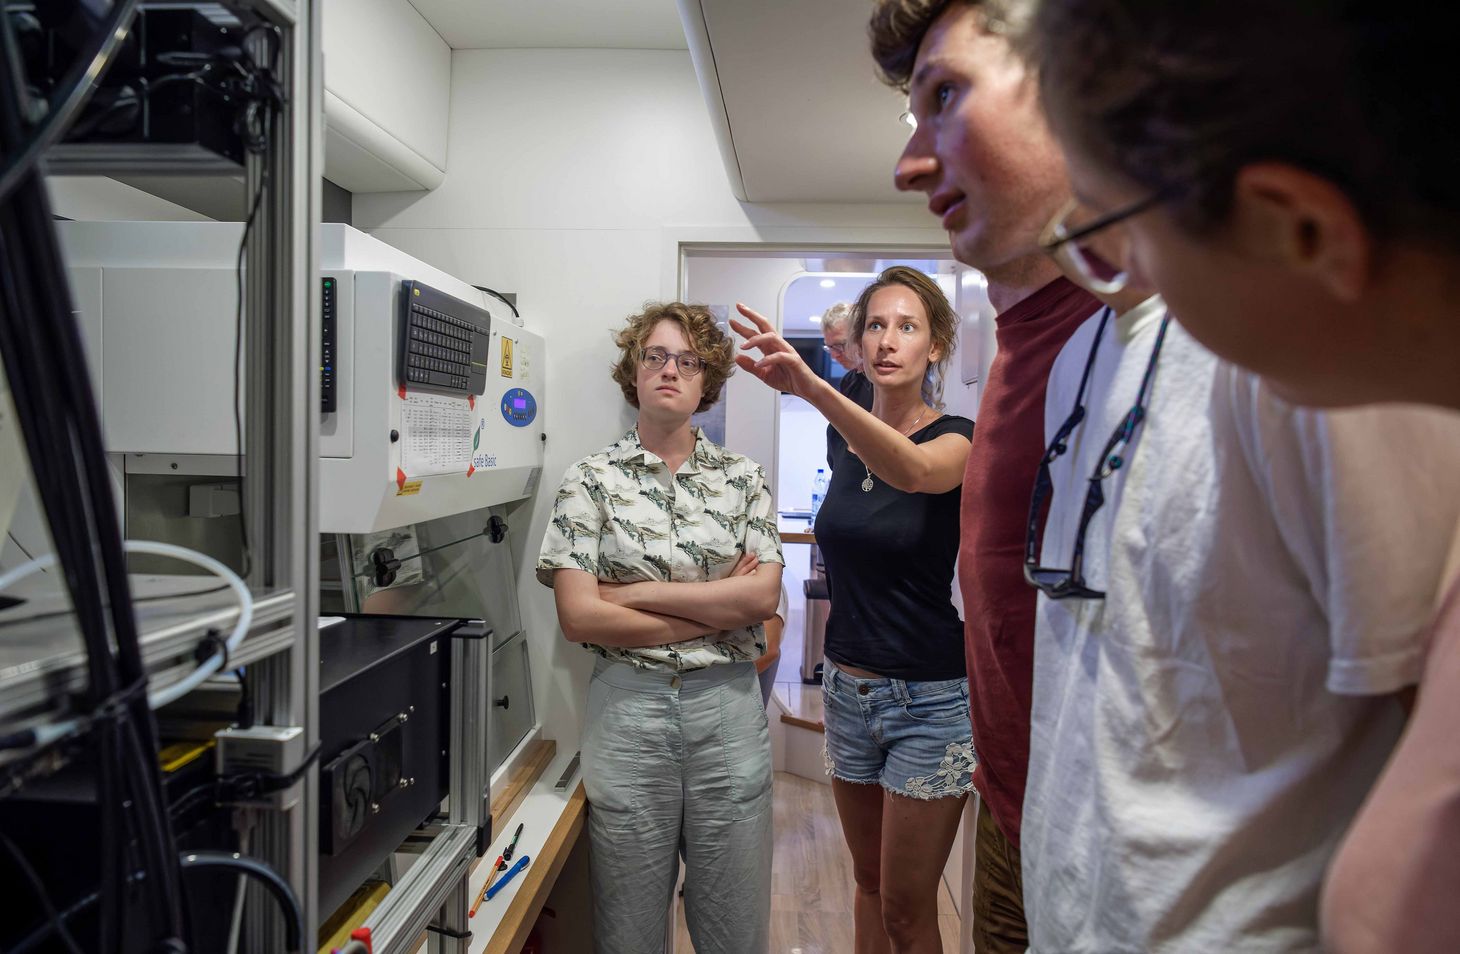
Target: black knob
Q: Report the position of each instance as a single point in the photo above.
(497, 529)
(394, 435)
(384, 566)
(503, 703)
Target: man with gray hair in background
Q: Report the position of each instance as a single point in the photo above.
(835, 326)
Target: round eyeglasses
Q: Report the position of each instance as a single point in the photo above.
(1066, 237)
(689, 363)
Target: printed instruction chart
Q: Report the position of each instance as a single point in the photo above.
(436, 433)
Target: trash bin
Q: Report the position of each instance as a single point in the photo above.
(818, 608)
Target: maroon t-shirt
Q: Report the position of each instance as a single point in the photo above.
(998, 605)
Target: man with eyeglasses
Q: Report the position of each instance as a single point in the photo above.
(993, 176)
(1232, 594)
(835, 332)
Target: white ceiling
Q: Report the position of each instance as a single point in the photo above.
(555, 24)
(790, 86)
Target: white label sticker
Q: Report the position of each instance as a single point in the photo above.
(436, 434)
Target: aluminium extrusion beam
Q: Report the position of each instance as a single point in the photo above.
(471, 692)
(281, 344)
(437, 881)
(434, 890)
(38, 666)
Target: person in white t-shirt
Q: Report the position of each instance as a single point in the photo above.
(1242, 590)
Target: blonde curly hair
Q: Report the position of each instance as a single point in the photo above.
(706, 339)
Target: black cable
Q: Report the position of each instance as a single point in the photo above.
(17, 542)
(245, 714)
(238, 374)
(242, 786)
(129, 98)
(48, 442)
(81, 80)
(32, 940)
(63, 437)
(56, 924)
(262, 873)
(40, 333)
(504, 299)
(137, 730)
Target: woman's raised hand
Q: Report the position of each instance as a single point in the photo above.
(779, 365)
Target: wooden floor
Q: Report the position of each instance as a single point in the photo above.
(811, 878)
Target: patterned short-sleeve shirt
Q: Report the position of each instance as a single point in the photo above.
(622, 516)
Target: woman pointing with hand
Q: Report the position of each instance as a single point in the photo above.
(898, 739)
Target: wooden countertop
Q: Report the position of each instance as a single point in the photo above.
(553, 820)
(539, 878)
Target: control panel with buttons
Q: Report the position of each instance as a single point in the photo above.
(519, 407)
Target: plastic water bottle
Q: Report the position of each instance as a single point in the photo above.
(818, 492)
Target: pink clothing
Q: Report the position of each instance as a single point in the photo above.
(1395, 883)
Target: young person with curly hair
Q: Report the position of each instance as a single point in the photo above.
(664, 560)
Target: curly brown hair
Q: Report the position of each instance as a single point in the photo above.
(942, 322)
(897, 28)
(706, 338)
(1180, 96)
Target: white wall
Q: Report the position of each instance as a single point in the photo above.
(573, 178)
(750, 412)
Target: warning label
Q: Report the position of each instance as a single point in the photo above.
(506, 357)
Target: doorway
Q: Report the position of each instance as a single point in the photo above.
(793, 287)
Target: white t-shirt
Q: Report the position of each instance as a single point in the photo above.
(1202, 736)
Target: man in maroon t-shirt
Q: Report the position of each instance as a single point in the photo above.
(995, 177)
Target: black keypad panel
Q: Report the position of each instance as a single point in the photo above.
(444, 342)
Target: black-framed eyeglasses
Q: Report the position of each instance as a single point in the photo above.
(689, 363)
(1061, 584)
(1065, 244)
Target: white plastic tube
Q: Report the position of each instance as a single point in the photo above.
(158, 697)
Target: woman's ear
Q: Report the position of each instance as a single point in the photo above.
(1302, 221)
(935, 353)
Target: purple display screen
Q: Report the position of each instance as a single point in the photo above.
(519, 403)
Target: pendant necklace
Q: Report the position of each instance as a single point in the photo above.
(867, 484)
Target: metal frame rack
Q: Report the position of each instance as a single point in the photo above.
(281, 328)
(281, 322)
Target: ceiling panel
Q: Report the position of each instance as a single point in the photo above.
(808, 119)
(555, 24)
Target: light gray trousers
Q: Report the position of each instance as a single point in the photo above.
(671, 765)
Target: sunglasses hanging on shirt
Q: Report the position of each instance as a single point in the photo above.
(1061, 584)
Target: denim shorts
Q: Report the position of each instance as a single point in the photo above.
(912, 738)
